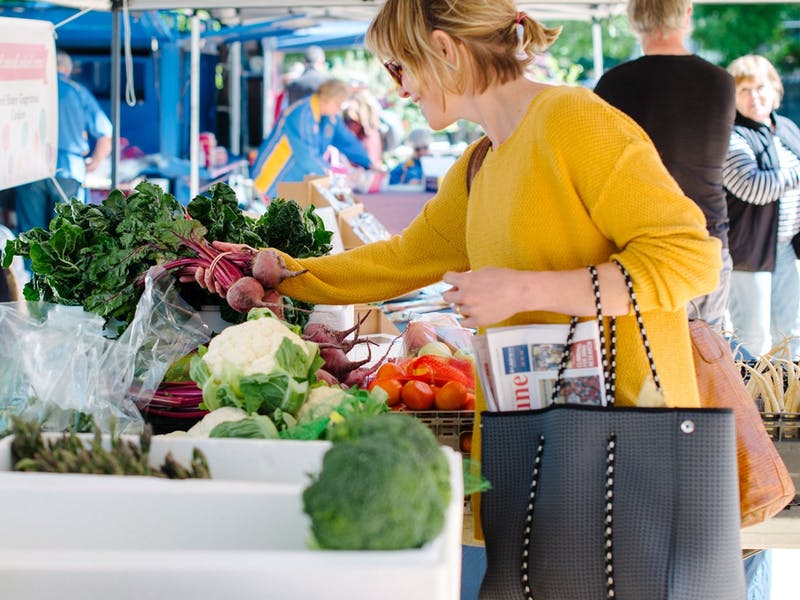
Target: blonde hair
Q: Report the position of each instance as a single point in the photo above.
(333, 88)
(649, 16)
(485, 29)
(364, 109)
(754, 66)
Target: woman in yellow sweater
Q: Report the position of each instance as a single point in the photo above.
(569, 181)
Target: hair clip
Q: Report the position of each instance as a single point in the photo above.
(521, 16)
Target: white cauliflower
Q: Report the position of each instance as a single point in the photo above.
(261, 366)
(214, 418)
(249, 347)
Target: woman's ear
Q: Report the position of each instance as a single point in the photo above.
(445, 46)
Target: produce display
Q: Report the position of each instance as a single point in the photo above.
(96, 255)
(774, 383)
(384, 485)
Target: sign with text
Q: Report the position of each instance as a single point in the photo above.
(28, 101)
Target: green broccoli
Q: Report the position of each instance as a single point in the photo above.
(404, 431)
(372, 494)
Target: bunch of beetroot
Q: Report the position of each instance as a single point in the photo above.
(333, 348)
(247, 278)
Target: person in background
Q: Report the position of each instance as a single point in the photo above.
(762, 179)
(362, 115)
(410, 171)
(687, 106)
(297, 144)
(314, 75)
(80, 121)
(282, 98)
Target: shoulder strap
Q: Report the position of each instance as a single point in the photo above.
(476, 159)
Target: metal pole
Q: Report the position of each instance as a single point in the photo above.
(267, 95)
(115, 91)
(194, 111)
(235, 98)
(597, 47)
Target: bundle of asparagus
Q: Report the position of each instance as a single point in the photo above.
(69, 454)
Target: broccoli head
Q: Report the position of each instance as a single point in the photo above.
(404, 431)
(372, 494)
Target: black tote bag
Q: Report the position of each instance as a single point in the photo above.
(591, 502)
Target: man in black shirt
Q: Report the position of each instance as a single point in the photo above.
(687, 107)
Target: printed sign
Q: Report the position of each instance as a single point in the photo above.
(28, 101)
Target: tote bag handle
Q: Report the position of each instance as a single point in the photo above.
(609, 359)
(609, 356)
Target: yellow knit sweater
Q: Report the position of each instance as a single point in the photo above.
(578, 183)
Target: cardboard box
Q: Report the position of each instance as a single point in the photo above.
(294, 190)
(375, 320)
(97, 537)
(350, 237)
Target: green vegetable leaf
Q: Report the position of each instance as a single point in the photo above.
(252, 427)
(293, 359)
(265, 393)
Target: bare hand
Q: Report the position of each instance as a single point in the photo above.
(205, 278)
(483, 297)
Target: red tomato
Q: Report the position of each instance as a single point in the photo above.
(390, 370)
(465, 442)
(392, 388)
(451, 396)
(470, 403)
(417, 395)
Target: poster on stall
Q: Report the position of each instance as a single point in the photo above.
(28, 101)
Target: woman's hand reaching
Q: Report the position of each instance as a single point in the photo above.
(205, 278)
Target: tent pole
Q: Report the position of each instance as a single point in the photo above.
(235, 99)
(597, 47)
(115, 91)
(267, 93)
(194, 104)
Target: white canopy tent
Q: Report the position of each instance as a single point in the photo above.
(243, 12)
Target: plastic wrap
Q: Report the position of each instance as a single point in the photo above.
(57, 362)
(436, 327)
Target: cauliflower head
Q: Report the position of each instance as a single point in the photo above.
(261, 366)
(249, 347)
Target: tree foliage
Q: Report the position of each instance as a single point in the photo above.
(732, 30)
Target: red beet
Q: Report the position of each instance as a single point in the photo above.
(274, 301)
(337, 363)
(244, 294)
(270, 268)
(323, 375)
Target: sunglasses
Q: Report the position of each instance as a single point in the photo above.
(395, 70)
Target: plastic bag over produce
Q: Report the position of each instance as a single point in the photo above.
(56, 361)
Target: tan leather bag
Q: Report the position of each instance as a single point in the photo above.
(765, 485)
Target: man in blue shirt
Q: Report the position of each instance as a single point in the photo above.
(297, 144)
(80, 119)
(410, 171)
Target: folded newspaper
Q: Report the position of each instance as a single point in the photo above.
(518, 366)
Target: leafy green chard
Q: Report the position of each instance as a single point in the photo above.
(94, 255)
(284, 225)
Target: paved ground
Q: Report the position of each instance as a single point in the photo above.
(394, 210)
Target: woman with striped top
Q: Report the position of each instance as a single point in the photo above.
(762, 179)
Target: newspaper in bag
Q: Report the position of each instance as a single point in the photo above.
(518, 366)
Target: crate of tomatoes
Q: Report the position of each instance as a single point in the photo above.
(438, 390)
